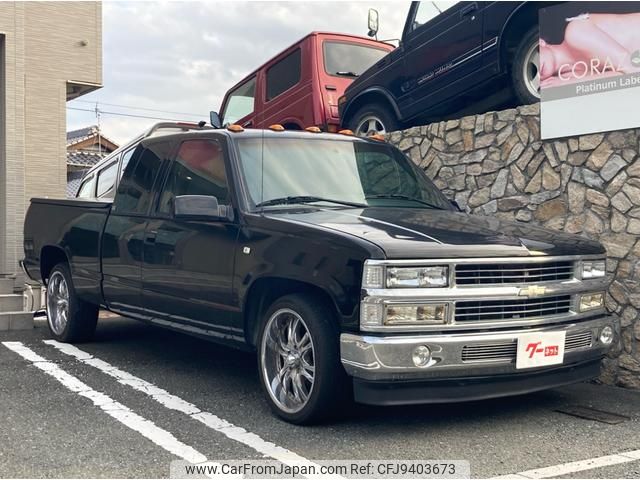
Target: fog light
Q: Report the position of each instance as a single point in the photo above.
(591, 301)
(606, 336)
(427, 314)
(421, 356)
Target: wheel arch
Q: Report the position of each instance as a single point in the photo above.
(376, 95)
(521, 20)
(50, 256)
(265, 290)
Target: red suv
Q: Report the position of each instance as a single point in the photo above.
(300, 87)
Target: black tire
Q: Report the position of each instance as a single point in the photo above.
(377, 113)
(331, 390)
(518, 72)
(82, 317)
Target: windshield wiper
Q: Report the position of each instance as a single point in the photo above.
(404, 197)
(347, 74)
(306, 199)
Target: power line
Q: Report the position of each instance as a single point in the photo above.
(141, 108)
(102, 112)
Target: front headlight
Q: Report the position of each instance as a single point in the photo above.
(378, 276)
(594, 268)
(426, 314)
(591, 301)
(418, 277)
(402, 314)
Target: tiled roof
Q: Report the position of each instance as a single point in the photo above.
(73, 182)
(80, 158)
(75, 136)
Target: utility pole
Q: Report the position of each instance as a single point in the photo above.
(97, 110)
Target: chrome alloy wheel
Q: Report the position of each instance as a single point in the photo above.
(531, 70)
(287, 360)
(57, 303)
(370, 125)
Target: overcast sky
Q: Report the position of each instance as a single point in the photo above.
(183, 56)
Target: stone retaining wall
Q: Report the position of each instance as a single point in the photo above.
(495, 164)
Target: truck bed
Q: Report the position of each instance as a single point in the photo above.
(74, 228)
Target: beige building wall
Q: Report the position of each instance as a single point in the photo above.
(50, 52)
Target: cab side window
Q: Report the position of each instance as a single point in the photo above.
(88, 188)
(198, 169)
(107, 181)
(125, 160)
(284, 74)
(428, 10)
(136, 187)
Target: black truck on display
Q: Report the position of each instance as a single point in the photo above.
(471, 58)
(332, 256)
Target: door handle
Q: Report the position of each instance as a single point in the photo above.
(469, 10)
(150, 237)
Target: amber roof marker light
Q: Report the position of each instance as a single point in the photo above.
(346, 132)
(313, 130)
(276, 127)
(377, 137)
(235, 128)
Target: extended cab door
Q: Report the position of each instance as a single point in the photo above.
(441, 53)
(123, 235)
(188, 264)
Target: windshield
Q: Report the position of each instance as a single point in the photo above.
(350, 59)
(332, 171)
(240, 102)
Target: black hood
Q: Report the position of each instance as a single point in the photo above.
(426, 233)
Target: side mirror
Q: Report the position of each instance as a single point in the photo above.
(372, 22)
(199, 207)
(214, 119)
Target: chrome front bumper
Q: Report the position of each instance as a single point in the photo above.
(389, 357)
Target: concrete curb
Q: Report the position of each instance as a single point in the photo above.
(16, 321)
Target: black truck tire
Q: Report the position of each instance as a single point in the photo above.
(69, 318)
(525, 69)
(373, 118)
(295, 316)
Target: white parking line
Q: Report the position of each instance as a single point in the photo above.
(573, 467)
(124, 415)
(173, 402)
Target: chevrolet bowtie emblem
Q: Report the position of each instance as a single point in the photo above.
(532, 291)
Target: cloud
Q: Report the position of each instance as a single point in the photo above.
(183, 56)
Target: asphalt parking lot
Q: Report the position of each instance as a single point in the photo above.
(186, 396)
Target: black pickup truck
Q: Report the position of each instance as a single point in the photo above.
(334, 257)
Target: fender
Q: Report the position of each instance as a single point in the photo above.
(505, 25)
(372, 91)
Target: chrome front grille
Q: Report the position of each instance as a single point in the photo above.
(506, 351)
(490, 310)
(508, 273)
